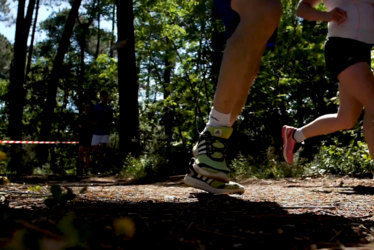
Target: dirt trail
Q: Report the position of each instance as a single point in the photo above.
(272, 214)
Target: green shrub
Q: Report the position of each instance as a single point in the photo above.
(146, 165)
(268, 165)
(353, 159)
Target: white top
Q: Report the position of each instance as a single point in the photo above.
(360, 22)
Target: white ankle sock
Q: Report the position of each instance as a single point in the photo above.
(217, 119)
(299, 136)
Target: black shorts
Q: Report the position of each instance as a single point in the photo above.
(231, 20)
(85, 140)
(341, 53)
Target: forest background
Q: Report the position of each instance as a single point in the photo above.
(161, 85)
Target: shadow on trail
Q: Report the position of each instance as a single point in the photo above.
(201, 221)
(357, 190)
(72, 181)
(363, 190)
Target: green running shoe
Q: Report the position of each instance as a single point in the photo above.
(210, 153)
(195, 180)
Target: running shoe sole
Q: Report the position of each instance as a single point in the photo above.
(192, 182)
(219, 176)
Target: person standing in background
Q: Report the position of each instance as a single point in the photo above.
(104, 118)
(85, 137)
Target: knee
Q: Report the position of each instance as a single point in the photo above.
(266, 13)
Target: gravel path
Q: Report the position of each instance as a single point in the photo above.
(324, 213)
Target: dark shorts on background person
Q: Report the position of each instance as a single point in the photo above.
(231, 20)
(341, 53)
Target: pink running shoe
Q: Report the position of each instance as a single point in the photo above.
(289, 143)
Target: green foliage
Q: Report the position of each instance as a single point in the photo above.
(3, 87)
(59, 198)
(6, 54)
(4, 180)
(147, 165)
(4, 10)
(153, 158)
(179, 47)
(34, 189)
(3, 167)
(337, 159)
(267, 166)
(3, 163)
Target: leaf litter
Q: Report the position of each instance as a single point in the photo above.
(273, 214)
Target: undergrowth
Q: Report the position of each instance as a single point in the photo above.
(334, 159)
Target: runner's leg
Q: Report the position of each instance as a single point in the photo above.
(350, 110)
(356, 91)
(242, 56)
(348, 62)
(240, 102)
(241, 60)
(358, 80)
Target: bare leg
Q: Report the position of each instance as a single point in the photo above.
(259, 19)
(95, 153)
(81, 153)
(358, 80)
(101, 152)
(240, 102)
(240, 64)
(356, 91)
(346, 118)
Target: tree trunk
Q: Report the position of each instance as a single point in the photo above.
(82, 69)
(28, 22)
(81, 38)
(82, 96)
(31, 49)
(148, 86)
(169, 116)
(127, 80)
(50, 104)
(16, 90)
(113, 25)
(98, 31)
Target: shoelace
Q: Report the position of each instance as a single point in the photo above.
(210, 140)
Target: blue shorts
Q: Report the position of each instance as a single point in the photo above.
(231, 20)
